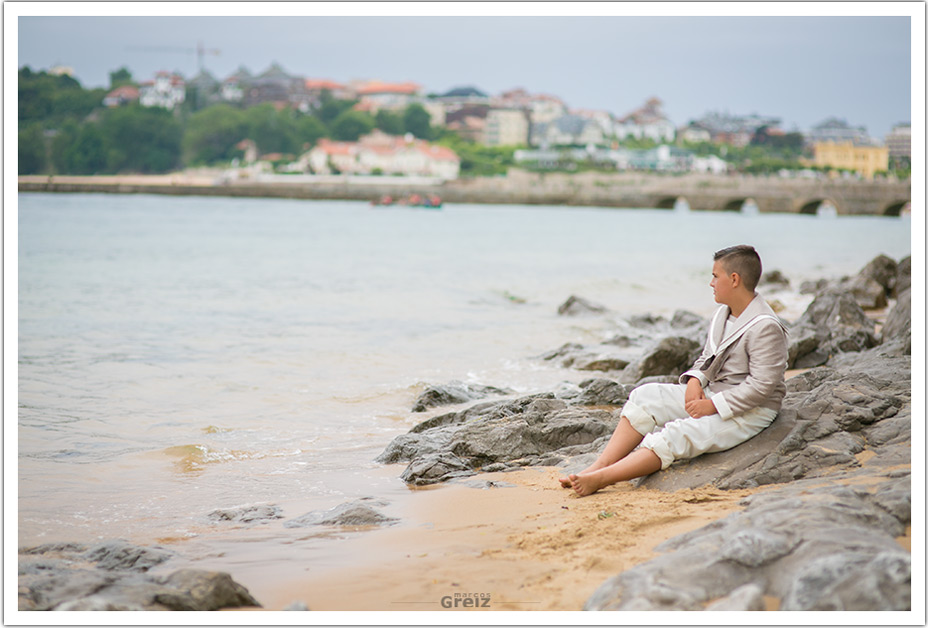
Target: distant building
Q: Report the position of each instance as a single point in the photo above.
(468, 121)
(315, 88)
(662, 158)
(384, 154)
(277, 87)
(899, 141)
(463, 96)
(567, 130)
(233, 88)
(648, 122)
(866, 160)
(735, 130)
(506, 127)
(694, 133)
(542, 108)
(837, 131)
(166, 90)
(121, 96)
(375, 95)
(61, 70)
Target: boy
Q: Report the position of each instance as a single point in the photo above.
(733, 391)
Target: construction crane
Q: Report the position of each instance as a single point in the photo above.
(199, 50)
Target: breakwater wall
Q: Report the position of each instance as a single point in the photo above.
(632, 190)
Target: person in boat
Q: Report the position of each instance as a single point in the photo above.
(733, 391)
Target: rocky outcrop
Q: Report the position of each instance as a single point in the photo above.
(255, 513)
(807, 546)
(833, 323)
(113, 576)
(668, 356)
(491, 436)
(454, 393)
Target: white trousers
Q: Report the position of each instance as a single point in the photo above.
(657, 412)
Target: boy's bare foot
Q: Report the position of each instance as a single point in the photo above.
(567, 483)
(584, 485)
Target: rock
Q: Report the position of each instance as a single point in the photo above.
(749, 597)
(682, 319)
(668, 356)
(814, 287)
(774, 279)
(802, 543)
(578, 306)
(868, 293)
(838, 325)
(454, 393)
(196, 590)
(357, 513)
(113, 555)
(572, 355)
(112, 576)
(899, 320)
(247, 514)
(602, 392)
(499, 435)
(883, 270)
(903, 276)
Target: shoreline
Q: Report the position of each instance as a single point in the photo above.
(591, 189)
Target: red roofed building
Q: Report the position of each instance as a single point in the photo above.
(316, 87)
(121, 96)
(385, 154)
(376, 95)
(166, 90)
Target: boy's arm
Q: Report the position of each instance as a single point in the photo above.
(767, 351)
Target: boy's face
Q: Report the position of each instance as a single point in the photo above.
(723, 284)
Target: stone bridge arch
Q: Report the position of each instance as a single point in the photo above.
(735, 204)
(668, 202)
(896, 207)
(811, 207)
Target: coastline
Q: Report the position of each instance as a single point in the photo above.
(589, 189)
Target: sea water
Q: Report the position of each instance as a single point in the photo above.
(178, 355)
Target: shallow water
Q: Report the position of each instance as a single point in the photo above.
(178, 355)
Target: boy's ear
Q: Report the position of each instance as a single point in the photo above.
(735, 280)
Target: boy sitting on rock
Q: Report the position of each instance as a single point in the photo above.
(733, 391)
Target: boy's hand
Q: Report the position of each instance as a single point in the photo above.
(700, 407)
(694, 392)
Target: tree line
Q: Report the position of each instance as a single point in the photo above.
(65, 129)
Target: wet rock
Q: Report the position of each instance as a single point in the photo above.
(120, 555)
(883, 270)
(801, 544)
(454, 393)
(495, 436)
(247, 514)
(682, 319)
(578, 306)
(113, 576)
(814, 287)
(196, 590)
(356, 513)
(668, 356)
(774, 279)
(596, 358)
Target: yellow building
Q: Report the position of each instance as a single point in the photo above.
(866, 160)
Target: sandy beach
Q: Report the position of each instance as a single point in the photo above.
(525, 544)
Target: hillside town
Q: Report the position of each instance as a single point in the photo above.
(533, 131)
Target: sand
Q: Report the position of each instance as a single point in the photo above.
(529, 546)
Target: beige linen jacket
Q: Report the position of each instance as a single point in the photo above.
(750, 372)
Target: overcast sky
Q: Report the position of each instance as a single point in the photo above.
(800, 69)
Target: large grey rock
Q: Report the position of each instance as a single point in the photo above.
(112, 576)
(898, 322)
(506, 433)
(903, 276)
(454, 393)
(800, 544)
(838, 325)
(668, 356)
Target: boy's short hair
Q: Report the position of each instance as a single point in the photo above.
(744, 260)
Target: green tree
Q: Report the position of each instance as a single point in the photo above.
(272, 131)
(32, 152)
(87, 154)
(389, 122)
(121, 77)
(330, 108)
(51, 99)
(416, 120)
(309, 130)
(350, 125)
(64, 137)
(212, 133)
(141, 139)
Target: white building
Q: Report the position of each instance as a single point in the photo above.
(167, 91)
(647, 121)
(379, 153)
(568, 130)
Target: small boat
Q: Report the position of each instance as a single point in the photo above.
(425, 201)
